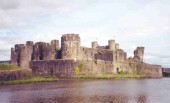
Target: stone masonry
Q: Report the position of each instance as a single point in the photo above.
(51, 59)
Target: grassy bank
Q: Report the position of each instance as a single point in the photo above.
(31, 80)
(78, 77)
(117, 76)
(8, 67)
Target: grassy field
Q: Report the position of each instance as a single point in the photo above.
(8, 67)
(117, 76)
(31, 80)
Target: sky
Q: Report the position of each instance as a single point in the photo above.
(131, 23)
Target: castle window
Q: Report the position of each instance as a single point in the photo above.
(40, 58)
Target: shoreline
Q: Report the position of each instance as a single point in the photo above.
(30, 80)
(78, 77)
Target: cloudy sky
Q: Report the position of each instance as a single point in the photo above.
(131, 23)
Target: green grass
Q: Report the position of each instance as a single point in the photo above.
(8, 67)
(111, 76)
(31, 80)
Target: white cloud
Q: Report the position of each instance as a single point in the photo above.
(133, 23)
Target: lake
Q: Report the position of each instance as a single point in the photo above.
(89, 91)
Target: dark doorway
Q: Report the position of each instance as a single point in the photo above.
(117, 70)
(51, 71)
(40, 58)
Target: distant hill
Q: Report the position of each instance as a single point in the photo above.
(166, 72)
(5, 62)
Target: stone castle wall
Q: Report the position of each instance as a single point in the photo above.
(103, 54)
(50, 59)
(150, 70)
(87, 53)
(15, 74)
(59, 68)
(66, 68)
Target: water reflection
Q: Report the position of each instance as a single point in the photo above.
(142, 99)
(94, 91)
(79, 99)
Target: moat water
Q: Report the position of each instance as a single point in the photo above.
(89, 91)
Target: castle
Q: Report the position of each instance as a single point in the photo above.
(51, 59)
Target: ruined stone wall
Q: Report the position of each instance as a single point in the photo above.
(103, 54)
(66, 68)
(103, 47)
(138, 54)
(120, 55)
(59, 68)
(95, 67)
(149, 70)
(7, 75)
(126, 67)
(93, 54)
(139, 68)
(87, 53)
(96, 46)
(70, 46)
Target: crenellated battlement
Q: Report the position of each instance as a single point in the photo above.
(29, 43)
(70, 37)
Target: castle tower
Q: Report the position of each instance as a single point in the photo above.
(23, 62)
(125, 56)
(14, 56)
(25, 54)
(138, 54)
(70, 46)
(55, 44)
(21, 54)
(111, 44)
(116, 46)
(94, 44)
(48, 51)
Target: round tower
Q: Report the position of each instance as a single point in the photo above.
(70, 46)
(111, 44)
(94, 44)
(25, 56)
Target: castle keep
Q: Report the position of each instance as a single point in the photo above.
(70, 58)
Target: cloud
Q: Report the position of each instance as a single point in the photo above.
(9, 4)
(13, 12)
(131, 23)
